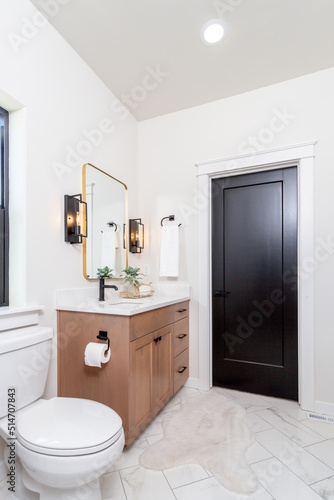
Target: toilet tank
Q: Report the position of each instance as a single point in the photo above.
(24, 362)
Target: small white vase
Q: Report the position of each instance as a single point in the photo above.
(132, 290)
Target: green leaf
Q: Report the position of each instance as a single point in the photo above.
(104, 272)
(131, 275)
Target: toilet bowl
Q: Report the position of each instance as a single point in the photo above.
(62, 445)
(62, 441)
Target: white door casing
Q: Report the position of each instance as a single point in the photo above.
(302, 156)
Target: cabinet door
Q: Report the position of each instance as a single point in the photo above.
(151, 377)
(162, 379)
(141, 399)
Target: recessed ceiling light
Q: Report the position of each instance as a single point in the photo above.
(213, 32)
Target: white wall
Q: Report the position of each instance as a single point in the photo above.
(59, 101)
(58, 98)
(291, 112)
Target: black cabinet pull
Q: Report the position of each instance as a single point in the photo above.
(182, 310)
(181, 370)
(182, 336)
(157, 340)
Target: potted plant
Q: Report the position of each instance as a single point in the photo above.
(102, 274)
(131, 277)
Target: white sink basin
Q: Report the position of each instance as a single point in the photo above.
(125, 304)
(125, 301)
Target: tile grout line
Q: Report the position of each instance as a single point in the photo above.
(163, 472)
(316, 432)
(303, 448)
(198, 481)
(322, 439)
(265, 489)
(321, 480)
(126, 496)
(320, 460)
(292, 472)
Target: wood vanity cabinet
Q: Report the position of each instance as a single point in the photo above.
(149, 361)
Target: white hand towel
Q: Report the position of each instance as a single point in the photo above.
(108, 249)
(169, 255)
(117, 241)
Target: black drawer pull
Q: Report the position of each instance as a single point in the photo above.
(182, 336)
(181, 370)
(157, 340)
(182, 310)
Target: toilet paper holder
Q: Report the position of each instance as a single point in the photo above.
(104, 336)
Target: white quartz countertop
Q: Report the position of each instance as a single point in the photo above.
(119, 306)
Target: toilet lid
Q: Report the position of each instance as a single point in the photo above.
(68, 427)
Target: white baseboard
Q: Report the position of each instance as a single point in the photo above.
(324, 408)
(193, 383)
(319, 406)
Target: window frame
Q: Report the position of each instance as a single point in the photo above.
(4, 216)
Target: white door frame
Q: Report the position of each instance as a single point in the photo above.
(302, 156)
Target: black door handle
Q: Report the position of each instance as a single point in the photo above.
(182, 336)
(157, 340)
(220, 293)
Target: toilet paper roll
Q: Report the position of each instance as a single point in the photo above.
(95, 354)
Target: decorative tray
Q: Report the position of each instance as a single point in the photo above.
(139, 295)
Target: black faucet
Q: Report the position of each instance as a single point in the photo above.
(103, 286)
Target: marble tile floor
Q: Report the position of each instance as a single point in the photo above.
(292, 458)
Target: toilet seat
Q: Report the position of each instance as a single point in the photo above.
(68, 427)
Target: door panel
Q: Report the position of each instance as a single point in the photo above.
(253, 261)
(254, 308)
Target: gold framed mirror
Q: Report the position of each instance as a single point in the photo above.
(107, 222)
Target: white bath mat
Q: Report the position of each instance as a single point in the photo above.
(209, 430)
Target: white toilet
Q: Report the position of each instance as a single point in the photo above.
(63, 444)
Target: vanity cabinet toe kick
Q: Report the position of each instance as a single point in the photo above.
(149, 361)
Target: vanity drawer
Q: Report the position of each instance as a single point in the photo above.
(149, 321)
(181, 369)
(181, 336)
(181, 310)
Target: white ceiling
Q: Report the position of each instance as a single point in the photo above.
(124, 41)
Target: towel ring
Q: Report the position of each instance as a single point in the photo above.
(110, 224)
(170, 218)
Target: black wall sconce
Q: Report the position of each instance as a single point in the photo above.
(75, 212)
(136, 235)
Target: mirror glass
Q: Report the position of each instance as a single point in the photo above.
(107, 214)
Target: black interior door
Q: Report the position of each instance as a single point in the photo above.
(254, 295)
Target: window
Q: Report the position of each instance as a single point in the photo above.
(4, 221)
